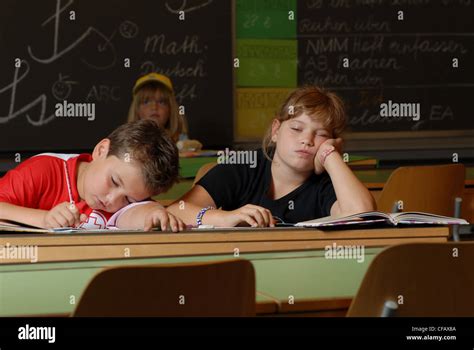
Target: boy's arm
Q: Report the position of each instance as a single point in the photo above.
(186, 208)
(22, 215)
(352, 196)
(146, 216)
(62, 215)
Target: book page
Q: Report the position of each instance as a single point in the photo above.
(8, 226)
(427, 218)
(370, 216)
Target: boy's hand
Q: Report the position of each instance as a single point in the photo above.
(251, 214)
(164, 219)
(63, 215)
(325, 148)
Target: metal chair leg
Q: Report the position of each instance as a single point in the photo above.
(389, 309)
(457, 214)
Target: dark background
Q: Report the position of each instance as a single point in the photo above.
(89, 67)
(435, 32)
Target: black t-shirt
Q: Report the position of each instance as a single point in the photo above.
(232, 186)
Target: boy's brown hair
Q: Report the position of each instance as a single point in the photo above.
(144, 142)
(326, 107)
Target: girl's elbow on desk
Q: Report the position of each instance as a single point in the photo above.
(364, 203)
(360, 206)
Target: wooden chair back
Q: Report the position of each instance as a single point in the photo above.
(422, 279)
(222, 288)
(429, 189)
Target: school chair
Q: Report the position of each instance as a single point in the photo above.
(203, 171)
(222, 288)
(431, 189)
(418, 280)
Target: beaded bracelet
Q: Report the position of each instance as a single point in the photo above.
(201, 214)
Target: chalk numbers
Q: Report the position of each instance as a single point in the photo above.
(252, 20)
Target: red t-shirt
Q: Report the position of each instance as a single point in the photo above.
(40, 182)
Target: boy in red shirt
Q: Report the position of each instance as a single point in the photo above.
(136, 161)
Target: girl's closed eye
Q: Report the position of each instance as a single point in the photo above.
(295, 127)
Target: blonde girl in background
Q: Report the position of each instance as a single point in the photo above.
(154, 98)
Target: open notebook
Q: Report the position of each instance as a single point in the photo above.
(406, 218)
(8, 226)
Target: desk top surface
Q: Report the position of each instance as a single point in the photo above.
(223, 243)
(220, 235)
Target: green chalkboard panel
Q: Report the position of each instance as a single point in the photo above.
(267, 19)
(267, 63)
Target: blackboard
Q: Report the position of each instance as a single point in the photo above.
(77, 51)
(401, 51)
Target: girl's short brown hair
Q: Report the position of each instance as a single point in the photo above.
(326, 107)
(176, 124)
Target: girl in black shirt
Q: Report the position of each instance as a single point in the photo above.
(298, 175)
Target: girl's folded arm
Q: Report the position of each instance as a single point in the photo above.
(191, 203)
(352, 196)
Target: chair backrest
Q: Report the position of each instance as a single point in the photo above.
(203, 171)
(223, 288)
(429, 189)
(423, 279)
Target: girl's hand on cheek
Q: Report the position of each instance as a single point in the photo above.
(318, 167)
(325, 149)
(337, 143)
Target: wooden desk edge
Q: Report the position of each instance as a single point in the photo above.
(262, 235)
(226, 249)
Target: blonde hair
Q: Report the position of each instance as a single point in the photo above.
(324, 106)
(176, 123)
